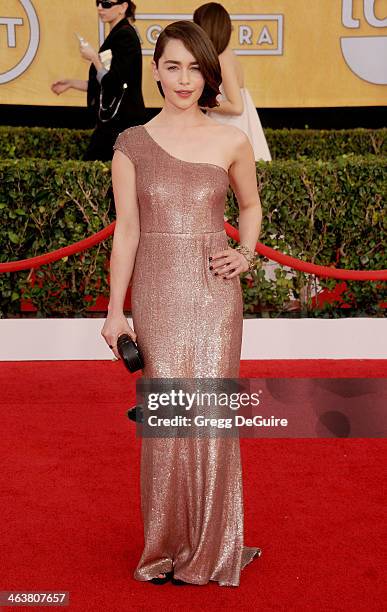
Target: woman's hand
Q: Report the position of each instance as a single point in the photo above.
(228, 264)
(60, 86)
(88, 53)
(114, 326)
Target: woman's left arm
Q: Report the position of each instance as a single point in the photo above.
(243, 181)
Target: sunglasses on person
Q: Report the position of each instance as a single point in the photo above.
(106, 4)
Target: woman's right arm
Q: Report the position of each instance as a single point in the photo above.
(125, 243)
(64, 84)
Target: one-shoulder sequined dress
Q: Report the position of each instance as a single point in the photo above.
(188, 324)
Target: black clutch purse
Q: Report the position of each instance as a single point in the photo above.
(129, 353)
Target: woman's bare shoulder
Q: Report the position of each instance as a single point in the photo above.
(230, 138)
(227, 55)
(232, 134)
(225, 130)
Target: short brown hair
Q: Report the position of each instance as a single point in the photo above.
(215, 20)
(195, 39)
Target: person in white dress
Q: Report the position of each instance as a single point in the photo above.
(236, 104)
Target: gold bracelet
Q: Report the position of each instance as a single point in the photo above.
(249, 255)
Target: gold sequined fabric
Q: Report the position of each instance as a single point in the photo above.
(188, 324)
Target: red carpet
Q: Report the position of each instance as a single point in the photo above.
(71, 507)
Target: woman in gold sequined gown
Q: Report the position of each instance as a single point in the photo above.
(170, 180)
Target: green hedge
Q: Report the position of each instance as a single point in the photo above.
(58, 143)
(326, 144)
(310, 210)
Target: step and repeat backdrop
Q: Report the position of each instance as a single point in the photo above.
(295, 53)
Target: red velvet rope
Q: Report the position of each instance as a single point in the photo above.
(310, 268)
(81, 245)
(232, 232)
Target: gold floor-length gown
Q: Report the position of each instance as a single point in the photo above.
(189, 325)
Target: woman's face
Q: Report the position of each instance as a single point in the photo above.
(113, 14)
(178, 71)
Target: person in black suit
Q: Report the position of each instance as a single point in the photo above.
(114, 95)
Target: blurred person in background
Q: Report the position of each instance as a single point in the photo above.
(236, 105)
(114, 86)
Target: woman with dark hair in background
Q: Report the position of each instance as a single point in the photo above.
(236, 104)
(114, 91)
(170, 179)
